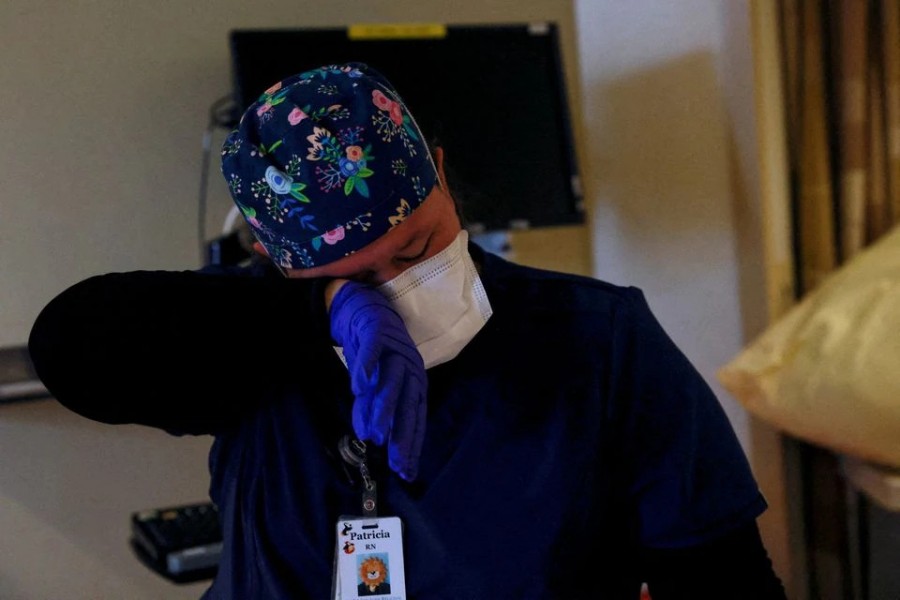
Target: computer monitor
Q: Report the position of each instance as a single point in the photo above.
(494, 97)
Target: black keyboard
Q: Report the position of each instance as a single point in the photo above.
(181, 543)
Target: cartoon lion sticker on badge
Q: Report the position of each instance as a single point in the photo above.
(373, 574)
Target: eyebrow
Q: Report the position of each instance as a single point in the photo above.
(420, 254)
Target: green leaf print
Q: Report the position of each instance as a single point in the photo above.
(296, 192)
(409, 129)
(362, 187)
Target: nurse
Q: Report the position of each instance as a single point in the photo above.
(325, 167)
(538, 434)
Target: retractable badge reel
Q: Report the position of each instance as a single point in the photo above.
(368, 559)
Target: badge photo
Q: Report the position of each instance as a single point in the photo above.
(370, 559)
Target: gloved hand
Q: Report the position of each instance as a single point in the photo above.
(387, 374)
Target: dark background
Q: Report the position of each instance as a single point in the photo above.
(513, 166)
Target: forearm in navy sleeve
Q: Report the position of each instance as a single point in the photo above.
(734, 566)
(685, 473)
(183, 351)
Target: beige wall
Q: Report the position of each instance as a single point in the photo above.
(67, 489)
(659, 185)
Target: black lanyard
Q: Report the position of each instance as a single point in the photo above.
(353, 451)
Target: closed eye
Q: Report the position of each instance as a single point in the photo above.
(408, 259)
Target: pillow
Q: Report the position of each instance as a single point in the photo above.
(829, 370)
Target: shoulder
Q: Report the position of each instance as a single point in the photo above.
(518, 288)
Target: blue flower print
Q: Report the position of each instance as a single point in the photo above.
(284, 188)
(278, 181)
(349, 168)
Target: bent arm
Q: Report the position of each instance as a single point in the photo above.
(734, 566)
(186, 352)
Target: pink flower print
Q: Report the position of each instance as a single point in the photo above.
(273, 89)
(354, 153)
(263, 109)
(396, 114)
(381, 101)
(296, 116)
(250, 217)
(334, 236)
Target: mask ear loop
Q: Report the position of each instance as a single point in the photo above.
(280, 269)
(272, 261)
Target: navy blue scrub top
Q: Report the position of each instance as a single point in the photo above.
(569, 434)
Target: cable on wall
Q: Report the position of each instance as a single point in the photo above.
(222, 115)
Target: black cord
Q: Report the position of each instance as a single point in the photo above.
(221, 114)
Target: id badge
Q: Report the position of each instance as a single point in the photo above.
(369, 559)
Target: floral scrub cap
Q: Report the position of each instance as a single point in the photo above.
(325, 162)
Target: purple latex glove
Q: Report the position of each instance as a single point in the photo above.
(387, 374)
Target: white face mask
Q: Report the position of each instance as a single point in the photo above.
(442, 302)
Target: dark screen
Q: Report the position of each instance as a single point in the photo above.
(492, 96)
